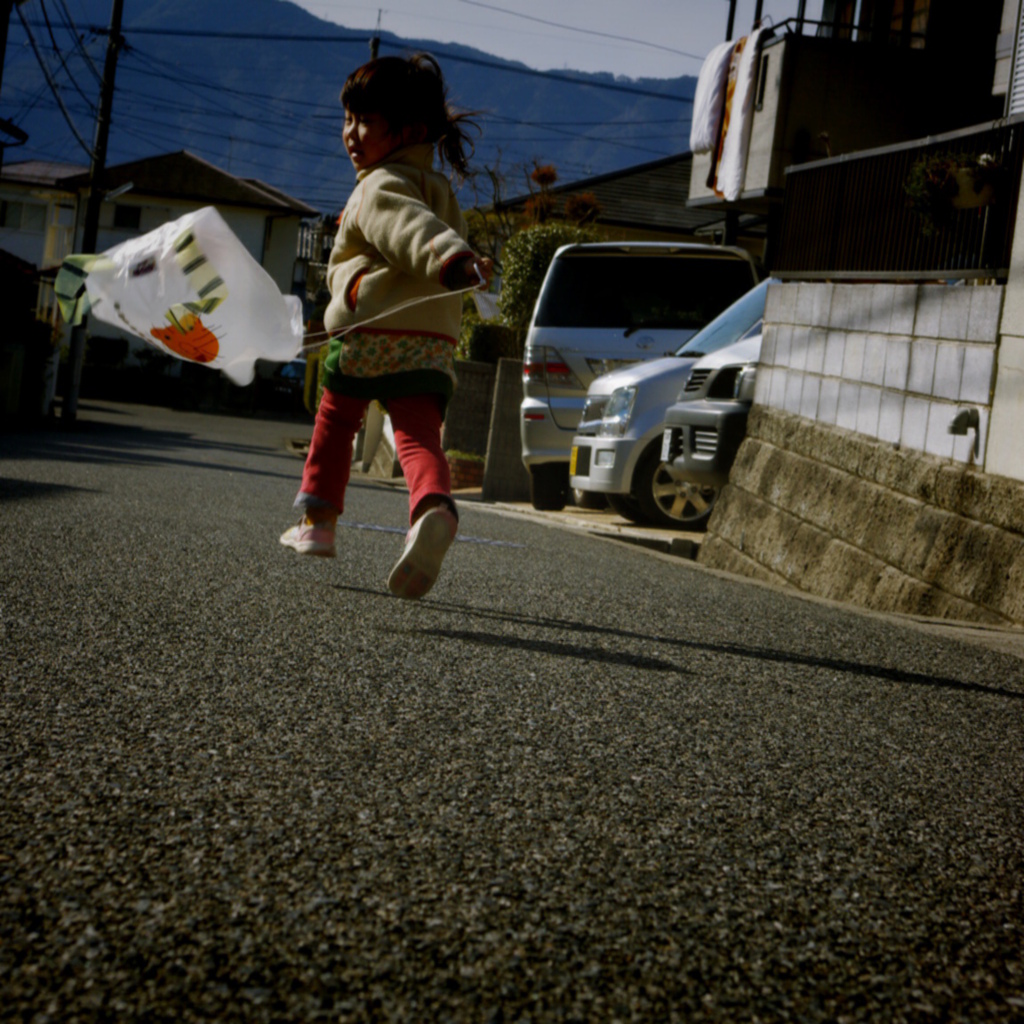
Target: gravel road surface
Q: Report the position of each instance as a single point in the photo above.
(578, 782)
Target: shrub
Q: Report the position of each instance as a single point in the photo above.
(527, 257)
(933, 186)
(487, 342)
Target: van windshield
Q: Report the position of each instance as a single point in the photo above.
(639, 292)
(740, 319)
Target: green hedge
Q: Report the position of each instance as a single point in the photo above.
(525, 260)
(487, 342)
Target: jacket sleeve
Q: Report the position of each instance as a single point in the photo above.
(398, 223)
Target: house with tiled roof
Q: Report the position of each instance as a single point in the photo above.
(37, 213)
(163, 188)
(644, 202)
(39, 226)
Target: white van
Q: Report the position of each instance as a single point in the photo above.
(602, 306)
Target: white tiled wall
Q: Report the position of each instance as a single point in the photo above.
(895, 362)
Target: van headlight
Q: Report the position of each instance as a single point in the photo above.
(617, 412)
(593, 408)
(746, 380)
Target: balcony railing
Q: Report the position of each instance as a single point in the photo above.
(849, 217)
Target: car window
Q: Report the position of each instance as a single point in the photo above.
(741, 319)
(635, 292)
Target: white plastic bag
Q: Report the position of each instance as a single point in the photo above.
(191, 289)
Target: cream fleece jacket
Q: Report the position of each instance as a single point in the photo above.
(401, 228)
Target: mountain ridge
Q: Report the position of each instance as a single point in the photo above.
(268, 108)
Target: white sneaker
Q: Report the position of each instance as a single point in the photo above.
(425, 546)
(309, 538)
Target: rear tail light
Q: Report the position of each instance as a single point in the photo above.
(546, 366)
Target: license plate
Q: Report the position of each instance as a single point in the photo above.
(666, 446)
(572, 460)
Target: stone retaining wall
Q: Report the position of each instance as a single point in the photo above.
(844, 516)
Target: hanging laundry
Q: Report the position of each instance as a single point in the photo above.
(732, 164)
(709, 99)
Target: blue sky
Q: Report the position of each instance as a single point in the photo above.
(638, 38)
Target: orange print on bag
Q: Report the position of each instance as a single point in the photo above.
(188, 337)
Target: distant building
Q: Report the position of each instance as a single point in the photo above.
(39, 202)
(163, 188)
(37, 213)
(646, 202)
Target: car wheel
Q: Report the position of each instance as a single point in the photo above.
(588, 499)
(549, 486)
(625, 505)
(662, 503)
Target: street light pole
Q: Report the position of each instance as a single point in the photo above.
(90, 230)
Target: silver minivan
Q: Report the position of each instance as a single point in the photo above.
(602, 306)
(617, 451)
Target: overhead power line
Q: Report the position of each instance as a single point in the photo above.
(60, 56)
(585, 31)
(80, 46)
(53, 85)
(512, 69)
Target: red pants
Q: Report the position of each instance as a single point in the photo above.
(417, 424)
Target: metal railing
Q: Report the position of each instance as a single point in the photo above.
(850, 217)
(47, 309)
(315, 240)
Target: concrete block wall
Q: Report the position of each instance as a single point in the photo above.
(848, 484)
(892, 362)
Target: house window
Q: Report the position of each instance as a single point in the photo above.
(23, 216)
(10, 215)
(909, 22)
(127, 218)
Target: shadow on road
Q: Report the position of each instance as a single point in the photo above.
(729, 649)
(125, 444)
(20, 490)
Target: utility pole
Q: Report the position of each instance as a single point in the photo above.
(375, 38)
(69, 409)
(6, 9)
(732, 20)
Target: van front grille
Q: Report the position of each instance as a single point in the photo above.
(697, 380)
(705, 441)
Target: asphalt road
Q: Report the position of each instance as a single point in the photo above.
(578, 782)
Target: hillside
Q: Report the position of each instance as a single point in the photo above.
(268, 107)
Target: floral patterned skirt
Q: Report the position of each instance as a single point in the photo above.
(390, 364)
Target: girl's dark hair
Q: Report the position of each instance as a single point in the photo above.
(408, 91)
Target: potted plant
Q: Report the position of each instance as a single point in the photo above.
(940, 183)
(467, 469)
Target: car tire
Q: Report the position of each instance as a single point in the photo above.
(625, 505)
(593, 500)
(659, 501)
(549, 486)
